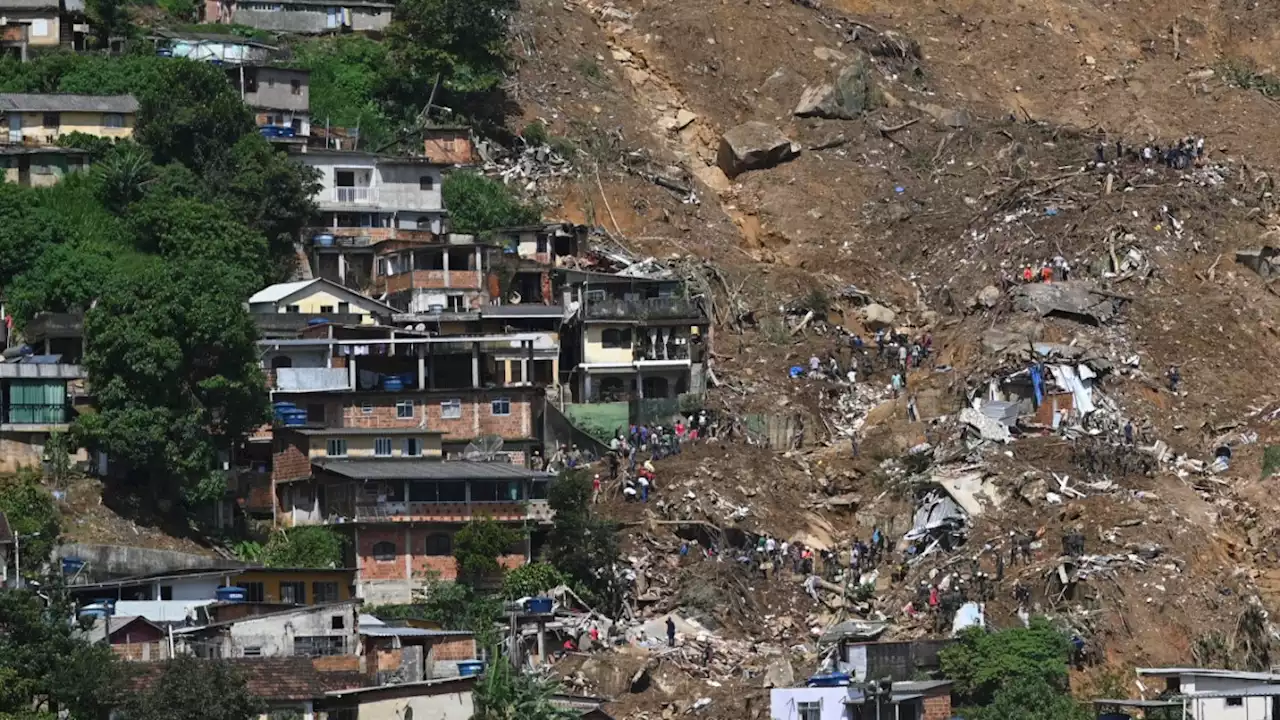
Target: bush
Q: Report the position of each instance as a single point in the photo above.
(30, 509)
(532, 579)
(477, 203)
(302, 547)
(535, 134)
(479, 544)
(997, 672)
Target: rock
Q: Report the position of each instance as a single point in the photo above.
(684, 119)
(754, 146)
(712, 177)
(779, 674)
(1090, 61)
(1200, 75)
(899, 212)
(988, 296)
(829, 55)
(853, 93)
(876, 316)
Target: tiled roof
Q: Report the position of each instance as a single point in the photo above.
(60, 102)
(272, 679)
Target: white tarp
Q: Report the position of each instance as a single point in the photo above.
(970, 614)
(1082, 390)
(305, 379)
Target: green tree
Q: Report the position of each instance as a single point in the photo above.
(57, 458)
(272, 194)
(583, 546)
(983, 665)
(33, 514)
(479, 544)
(477, 204)
(462, 41)
(122, 175)
(452, 606)
(311, 546)
(504, 694)
(192, 689)
(193, 117)
(348, 82)
(174, 366)
(45, 665)
(531, 579)
(1035, 700)
(109, 18)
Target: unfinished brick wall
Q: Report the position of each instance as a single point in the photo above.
(336, 663)
(937, 707)
(453, 648)
(477, 416)
(371, 568)
(291, 463)
(417, 565)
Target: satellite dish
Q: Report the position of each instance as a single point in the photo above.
(485, 448)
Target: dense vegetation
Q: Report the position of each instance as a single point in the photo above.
(1013, 674)
(308, 546)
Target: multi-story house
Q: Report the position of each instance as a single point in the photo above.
(31, 119)
(279, 97)
(39, 165)
(37, 399)
(212, 47)
(301, 16)
(640, 338)
(365, 200)
(41, 24)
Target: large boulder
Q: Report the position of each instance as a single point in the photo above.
(853, 93)
(877, 317)
(754, 146)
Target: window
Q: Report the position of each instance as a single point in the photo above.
(500, 406)
(426, 183)
(384, 551)
(326, 308)
(52, 120)
(253, 651)
(254, 592)
(337, 447)
(316, 645)
(451, 409)
(382, 447)
(344, 308)
(616, 338)
(344, 178)
(292, 309)
(295, 86)
(1235, 702)
(324, 592)
(404, 409)
(166, 592)
(439, 545)
(809, 711)
(281, 361)
(293, 592)
(366, 408)
(337, 622)
(541, 244)
(112, 120)
(412, 447)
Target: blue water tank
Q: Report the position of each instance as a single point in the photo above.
(392, 382)
(470, 667)
(318, 321)
(538, 605)
(835, 679)
(295, 418)
(323, 240)
(281, 408)
(230, 594)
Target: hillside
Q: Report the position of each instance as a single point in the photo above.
(976, 162)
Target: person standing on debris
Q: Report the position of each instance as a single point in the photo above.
(595, 489)
(815, 366)
(999, 566)
(671, 632)
(896, 382)
(1175, 379)
(1027, 275)
(853, 444)
(1100, 154)
(643, 482)
(1128, 432)
(902, 357)
(613, 466)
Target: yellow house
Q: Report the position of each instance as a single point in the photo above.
(42, 119)
(302, 586)
(372, 442)
(318, 297)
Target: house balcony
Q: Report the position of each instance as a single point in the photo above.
(429, 280)
(346, 238)
(659, 308)
(454, 512)
(353, 195)
(35, 417)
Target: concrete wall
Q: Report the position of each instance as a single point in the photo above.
(784, 702)
(400, 186)
(43, 26)
(275, 90)
(116, 561)
(309, 19)
(594, 350)
(46, 168)
(444, 706)
(274, 635)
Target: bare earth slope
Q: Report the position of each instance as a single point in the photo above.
(976, 163)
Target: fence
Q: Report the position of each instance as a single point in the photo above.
(778, 432)
(661, 411)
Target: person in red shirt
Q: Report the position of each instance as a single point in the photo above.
(1027, 274)
(1046, 274)
(595, 489)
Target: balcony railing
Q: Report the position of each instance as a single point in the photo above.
(671, 352)
(354, 195)
(643, 309)
(509, 510)
(36, 414)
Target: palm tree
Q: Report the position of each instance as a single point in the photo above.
(503, 694)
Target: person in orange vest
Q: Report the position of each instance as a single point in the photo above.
(1046, 274)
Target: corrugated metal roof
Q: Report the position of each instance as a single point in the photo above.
(389, 631)
(279, 291)
(28, 5)
(392, 469)
(57, 102)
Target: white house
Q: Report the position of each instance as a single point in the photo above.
(364, 190)
(1208, 694)
(918, 700)
(317, 297)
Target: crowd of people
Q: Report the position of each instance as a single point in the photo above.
(1178, 155)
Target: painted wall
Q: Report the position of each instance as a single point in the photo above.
(46, 169)
(90, 123)
(320, 298)
(444, 706)
(784, 702)
(594, 350)
(1250, 708)
(345, 579)
(275, 90)
(400, 187)
(43, 26)
(274, 635)
(364, 446)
